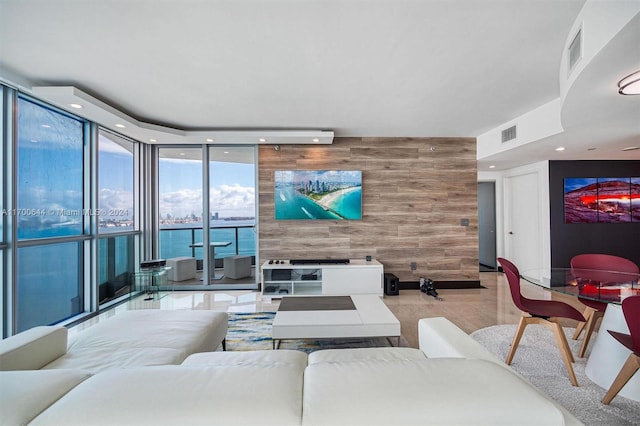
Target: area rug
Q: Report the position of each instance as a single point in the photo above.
(538, 359)
(252, 332)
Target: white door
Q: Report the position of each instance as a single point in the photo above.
(522, 221)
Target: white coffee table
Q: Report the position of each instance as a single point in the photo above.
(320, 318)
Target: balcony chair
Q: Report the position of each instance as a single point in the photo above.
(631, 310)
(585, 267)
(542, 312)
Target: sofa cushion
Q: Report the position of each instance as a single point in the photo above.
(365, 354)
(427, 392)
(25, 394)
(296, 359)
(96, 359)
(184, 395)
(144, 337)
(33, 348)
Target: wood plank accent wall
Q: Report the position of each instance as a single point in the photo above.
(413, 201)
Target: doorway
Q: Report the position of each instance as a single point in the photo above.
(487, 226)
(206, 203)
(522, 221)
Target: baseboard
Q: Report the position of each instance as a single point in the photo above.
(441, 285)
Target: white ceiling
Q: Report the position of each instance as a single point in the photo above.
(357, 68)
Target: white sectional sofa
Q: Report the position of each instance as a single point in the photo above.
(450, 380)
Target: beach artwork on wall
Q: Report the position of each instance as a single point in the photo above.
(318, 194)
(602, 200)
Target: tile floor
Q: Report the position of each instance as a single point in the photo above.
(470, 309)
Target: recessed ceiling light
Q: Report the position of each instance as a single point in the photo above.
(262, 140)
(492, 166)
(209, 140)
(560, 148)
(226, 152)
(76, 106)
(120, 126)
(152, 140)
(316, 140)
(182, 153)
(631, 148)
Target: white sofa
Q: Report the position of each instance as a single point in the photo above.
(40, 365)
(390, 386)
(132, 338)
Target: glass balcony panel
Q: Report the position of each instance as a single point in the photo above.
(116, 259)
(49, 284)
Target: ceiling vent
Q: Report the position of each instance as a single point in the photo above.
(509, 134)
(575, 50)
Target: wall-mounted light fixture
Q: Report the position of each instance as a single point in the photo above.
(630, 85)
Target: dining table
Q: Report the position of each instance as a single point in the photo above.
(212, 255)
(607, 355)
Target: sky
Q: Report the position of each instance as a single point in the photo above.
(232, 188)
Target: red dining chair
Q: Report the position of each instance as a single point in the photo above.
(631, 310)
(543, 312)
(597, 267)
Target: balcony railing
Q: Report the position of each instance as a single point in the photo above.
(177, 241)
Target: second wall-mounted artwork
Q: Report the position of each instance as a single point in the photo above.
(318, 194)
(602, 200)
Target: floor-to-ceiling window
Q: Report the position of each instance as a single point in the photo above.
(232, 198)
(51, 215)
(71, 231)
(117, 225)
(180, 202)
(229, 180)
(4, 144)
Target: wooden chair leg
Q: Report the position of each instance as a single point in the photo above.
(590, 326)
(587, 315)
(563, 346)
(628, 370)
(516, 339)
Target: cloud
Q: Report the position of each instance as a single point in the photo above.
(227, 200)
(233, 200)
(120, 200)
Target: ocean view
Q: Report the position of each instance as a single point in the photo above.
(176, 241)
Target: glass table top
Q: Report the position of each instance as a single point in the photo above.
(603, 286)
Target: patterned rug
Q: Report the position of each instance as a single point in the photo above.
(252, 332)
(538, 359)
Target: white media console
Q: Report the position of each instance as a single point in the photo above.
(359, 276)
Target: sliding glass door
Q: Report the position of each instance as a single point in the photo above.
(211, 228)
(232, 206)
